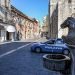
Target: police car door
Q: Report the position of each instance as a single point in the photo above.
(57, 47)
(49, 46)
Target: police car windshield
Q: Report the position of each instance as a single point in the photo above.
(59, 42)
(50, 41)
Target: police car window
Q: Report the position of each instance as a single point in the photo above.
(59, 42)
(50, 42)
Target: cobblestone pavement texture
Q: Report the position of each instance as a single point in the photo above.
(22, 62)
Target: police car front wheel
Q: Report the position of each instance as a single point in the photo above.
(38, 50)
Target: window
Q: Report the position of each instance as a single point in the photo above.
(6, 16)
(59, 42)
(69, 1)
(51, 42)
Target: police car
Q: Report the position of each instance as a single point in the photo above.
(51, 46)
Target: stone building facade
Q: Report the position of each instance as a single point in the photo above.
(14, 25)
(53, 19)
(7, 28)
(44, 31)
(59, 11)
(26, 27)
(36, 28)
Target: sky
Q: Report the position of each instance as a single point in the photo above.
(32, 8)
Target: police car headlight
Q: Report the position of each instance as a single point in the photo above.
(65, 52)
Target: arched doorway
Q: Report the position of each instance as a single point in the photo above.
(10, 33)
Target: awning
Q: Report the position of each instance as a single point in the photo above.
(10, 28)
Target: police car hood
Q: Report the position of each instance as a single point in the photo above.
(38, 43)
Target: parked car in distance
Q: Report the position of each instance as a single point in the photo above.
(57, 46)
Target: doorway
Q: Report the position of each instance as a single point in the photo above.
(7, 35)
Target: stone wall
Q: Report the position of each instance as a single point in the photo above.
(59, 11)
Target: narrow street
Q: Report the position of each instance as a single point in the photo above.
(21, 61)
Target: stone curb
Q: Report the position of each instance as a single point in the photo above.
(27, 40)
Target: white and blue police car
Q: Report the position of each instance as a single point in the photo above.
(57, 46)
